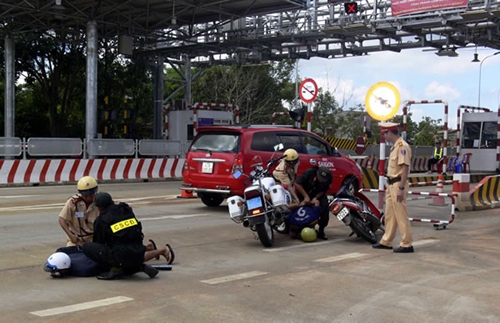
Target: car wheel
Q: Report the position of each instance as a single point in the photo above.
(212, 200)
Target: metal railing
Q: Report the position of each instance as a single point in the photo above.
(14, 147)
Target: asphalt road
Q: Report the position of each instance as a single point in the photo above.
(222, 273)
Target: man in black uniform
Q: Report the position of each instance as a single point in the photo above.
(313, 186)
(117, 242)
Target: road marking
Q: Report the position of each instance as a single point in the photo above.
(230, 278)
(175, 216)
(60, 205)
(16, 196)
(82, 306)
(32, 207)
(302, 245)
(166, 197)
(341, 257)
(426, 241)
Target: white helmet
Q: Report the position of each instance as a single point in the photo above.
(57, 264)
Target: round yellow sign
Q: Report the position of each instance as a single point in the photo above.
(382, 101)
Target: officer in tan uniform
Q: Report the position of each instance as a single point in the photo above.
(396, 213)
(286, 171)
(78, 214)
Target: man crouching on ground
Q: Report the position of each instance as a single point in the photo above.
(117, 243)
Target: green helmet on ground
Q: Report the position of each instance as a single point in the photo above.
(308, 234)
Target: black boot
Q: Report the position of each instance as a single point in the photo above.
(113, 273)
(150, 271)
(321, 234)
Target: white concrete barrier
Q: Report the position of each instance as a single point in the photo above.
(64, 170)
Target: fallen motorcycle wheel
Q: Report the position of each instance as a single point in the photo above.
(266, 235)
(362, 230)
(282, 228)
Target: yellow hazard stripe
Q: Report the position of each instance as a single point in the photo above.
(347, 144)
(370, 178)
(123, 225)
(487, 192)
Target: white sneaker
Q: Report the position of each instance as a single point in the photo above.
(429, 172)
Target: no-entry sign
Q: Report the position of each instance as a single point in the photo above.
(308, 90)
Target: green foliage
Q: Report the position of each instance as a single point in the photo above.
(259, 90)
(427, 132)
(54, 69)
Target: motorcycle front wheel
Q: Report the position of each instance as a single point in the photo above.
(266, 235)
(363, 230)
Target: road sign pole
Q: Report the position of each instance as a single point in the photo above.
(309, 113)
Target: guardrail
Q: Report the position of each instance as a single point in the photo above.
(15, 147)
(438, 200)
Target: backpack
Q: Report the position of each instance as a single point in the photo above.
(81, 265)
(304, 216)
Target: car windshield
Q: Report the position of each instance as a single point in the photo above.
(217, 142)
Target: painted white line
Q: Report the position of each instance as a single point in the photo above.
(175, 216)
(132, 199)
(423, 242)
(32, 207)
(135, 201)
(226, 279)
(16, 196)
(341, 257)
(82, 306)
(302, 245)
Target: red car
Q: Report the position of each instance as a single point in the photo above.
(218, 151)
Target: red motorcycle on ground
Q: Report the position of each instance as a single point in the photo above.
(358, 212)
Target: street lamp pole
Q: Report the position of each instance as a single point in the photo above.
(479, 87)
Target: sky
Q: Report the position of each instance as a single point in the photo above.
(417, 74)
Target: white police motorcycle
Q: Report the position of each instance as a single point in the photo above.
(264, 203)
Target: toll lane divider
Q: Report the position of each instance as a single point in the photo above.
(64, 170)
(424, 195)
(486, 193)
(370, 178)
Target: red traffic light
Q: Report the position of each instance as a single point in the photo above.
(351, 7)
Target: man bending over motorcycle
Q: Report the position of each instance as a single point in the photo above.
(286, 171)
(313, 186)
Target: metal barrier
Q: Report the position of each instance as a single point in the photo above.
(10, 146)
(77, 148)
(438, 224)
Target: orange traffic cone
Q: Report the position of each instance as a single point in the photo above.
(439, 200)
(186, 194)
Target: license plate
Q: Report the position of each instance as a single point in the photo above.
(207, 168)
(254, 203)
(342, 214)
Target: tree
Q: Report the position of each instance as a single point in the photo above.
(258, 91)
(427, 132)
(327, 116)
(53, 64)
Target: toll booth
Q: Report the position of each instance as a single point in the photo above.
(479, 137)
(182, 124)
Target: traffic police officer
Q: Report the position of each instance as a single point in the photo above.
(396, 213)
(286, 171)
(78, 214)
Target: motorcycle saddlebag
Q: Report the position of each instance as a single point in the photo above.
(280, 198)
(236, 207)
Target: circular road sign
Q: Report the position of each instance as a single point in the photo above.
(308, 90)
(382, 101)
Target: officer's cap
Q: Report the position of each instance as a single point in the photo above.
(384, 126)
